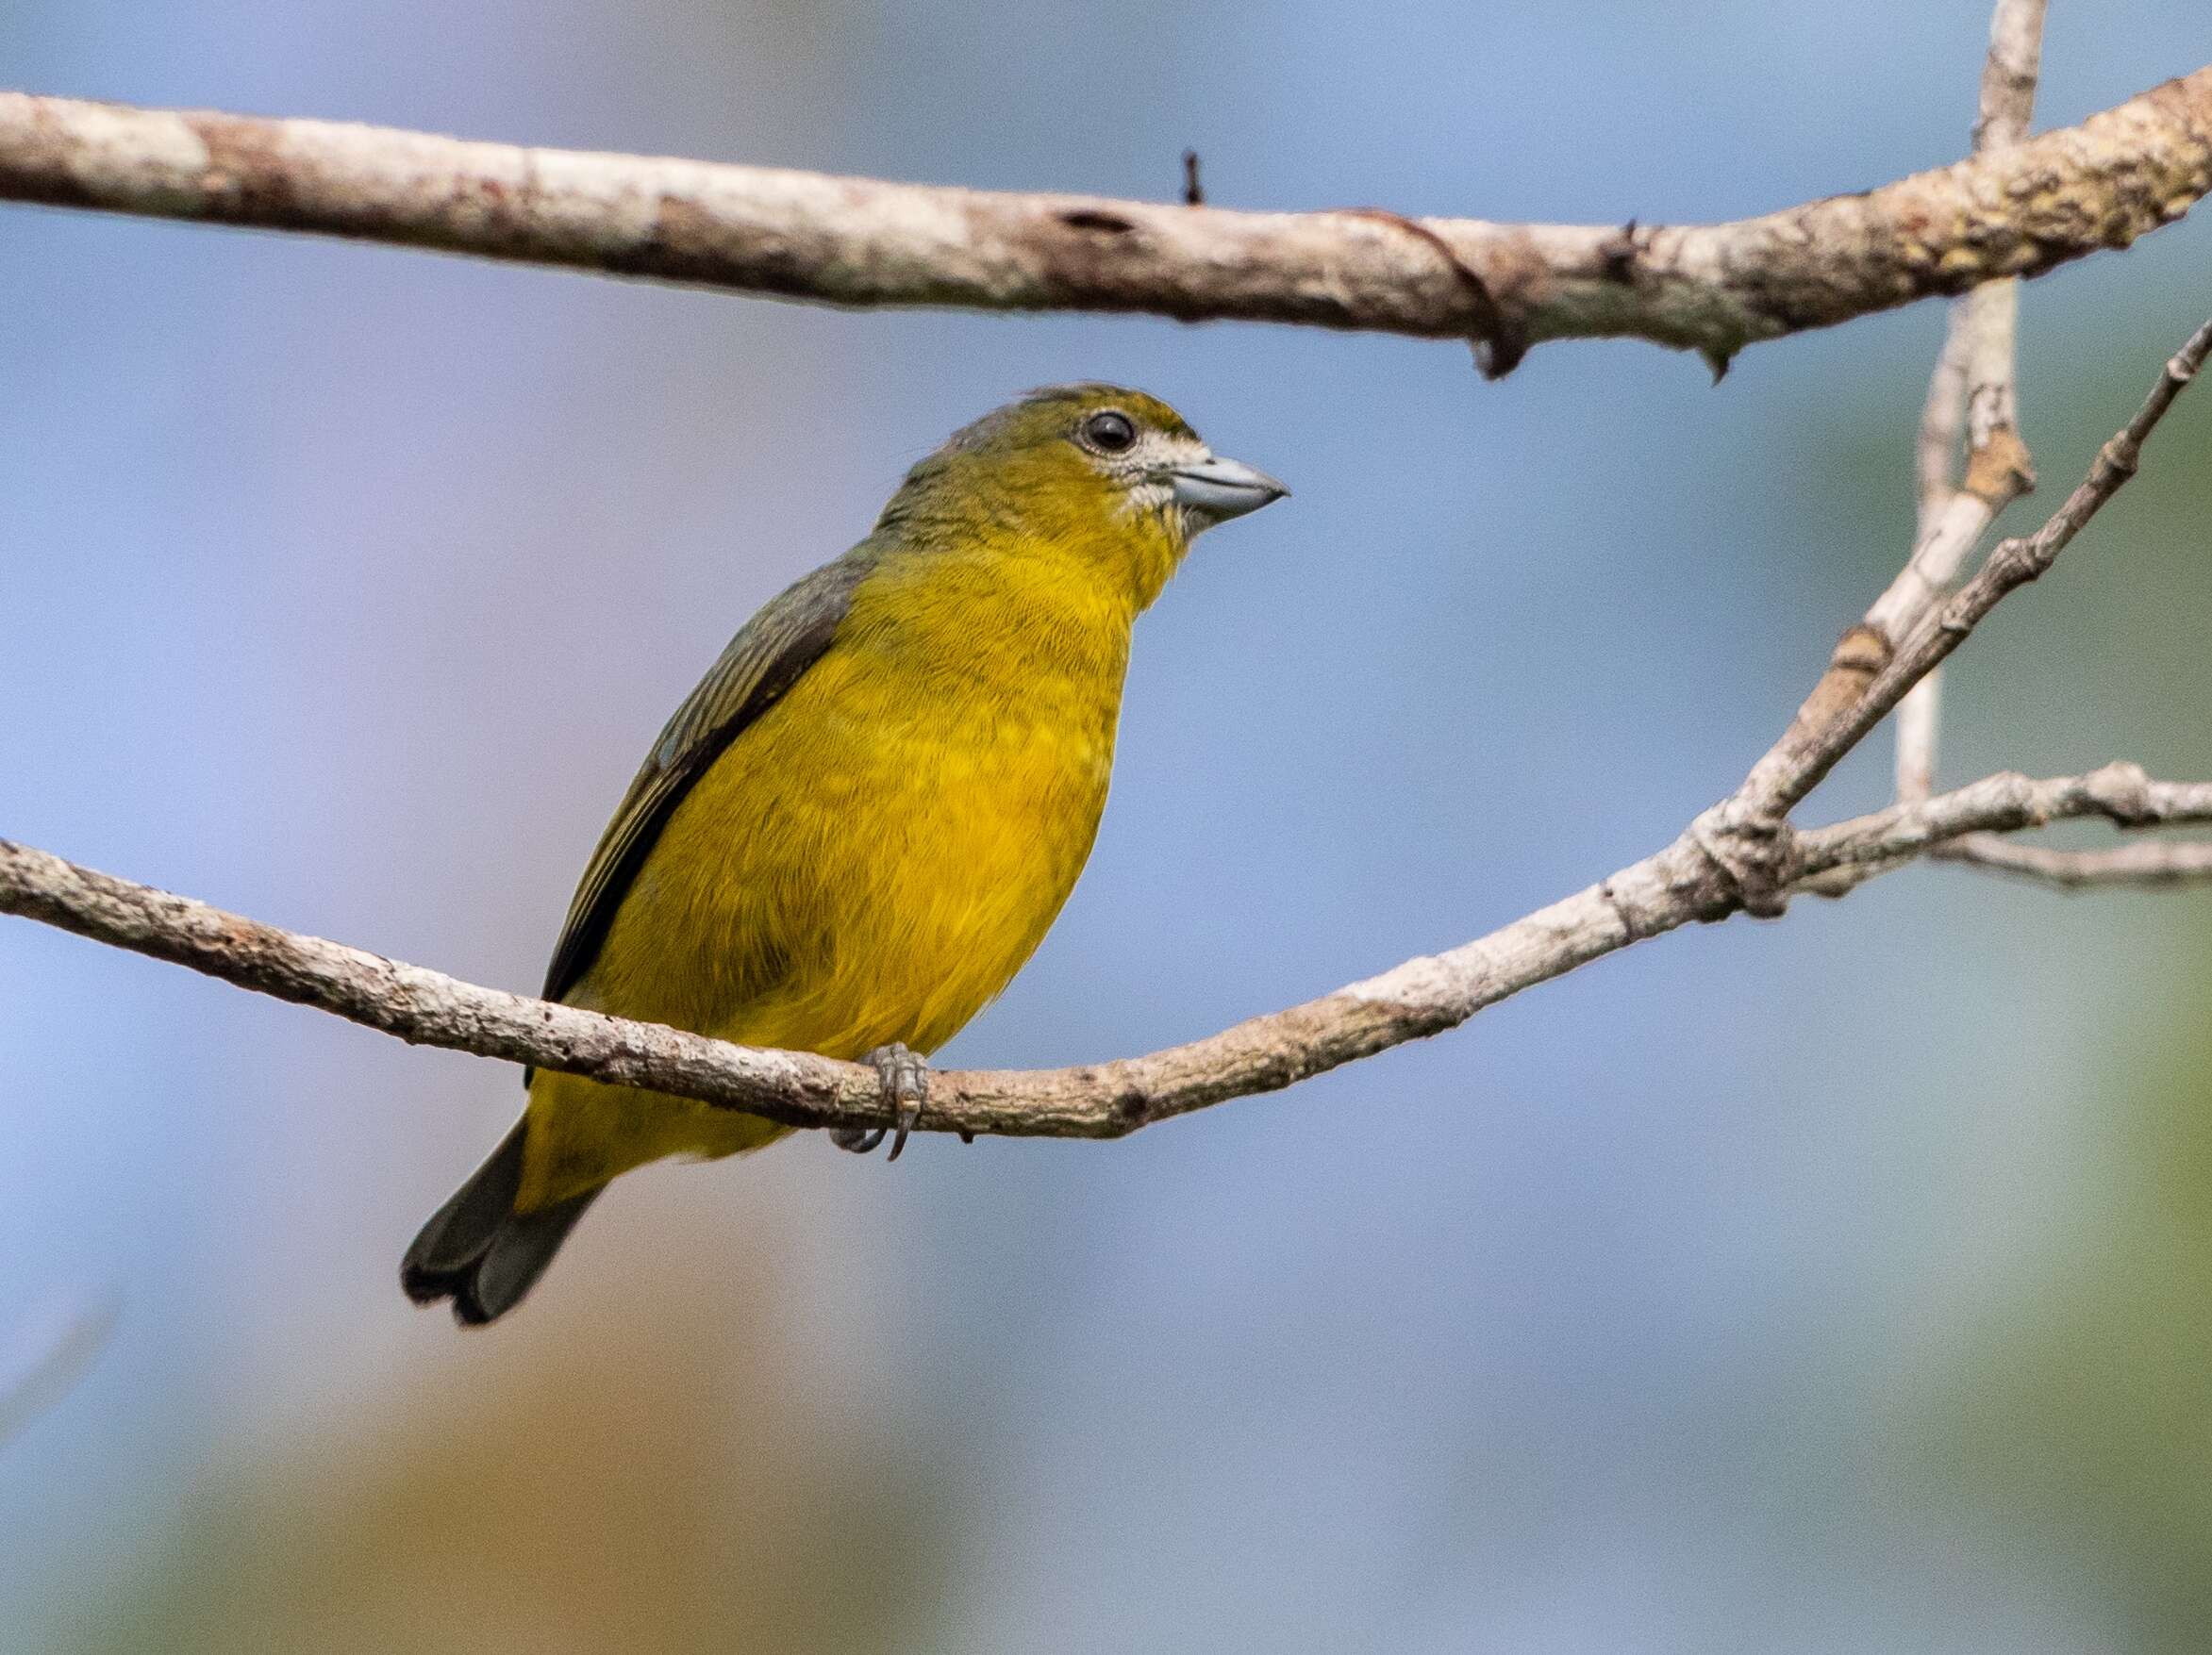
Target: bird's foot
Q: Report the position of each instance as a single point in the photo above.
(906, 1088)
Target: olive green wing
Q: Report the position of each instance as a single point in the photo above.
(768, 654)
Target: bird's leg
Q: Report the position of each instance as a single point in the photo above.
(906, 1088)
(906, 1082)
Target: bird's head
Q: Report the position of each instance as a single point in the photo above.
(1113, 475)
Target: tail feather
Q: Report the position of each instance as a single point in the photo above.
(481, 1253)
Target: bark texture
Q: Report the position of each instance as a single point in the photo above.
(2016, 209)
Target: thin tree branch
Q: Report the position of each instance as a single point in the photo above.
(1811, 748)
(1747, 835)
(2020, 211)
(1947, 525)
(2147, 865)
(2120, 794)
(1919, 716)
(1975, 380)
(1868, 676)
(1942, 423)
(1661, 893)
(1934, 451)
(2008, 74)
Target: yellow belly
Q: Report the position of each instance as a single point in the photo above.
(864, 865)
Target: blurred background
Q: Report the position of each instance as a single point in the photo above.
(1837, 1284)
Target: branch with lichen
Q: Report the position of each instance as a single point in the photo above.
(2011, 209)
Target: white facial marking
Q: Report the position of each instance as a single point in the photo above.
(1147, 464)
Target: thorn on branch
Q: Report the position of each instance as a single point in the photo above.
(1617, 254)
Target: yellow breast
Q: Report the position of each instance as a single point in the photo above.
(870, 863)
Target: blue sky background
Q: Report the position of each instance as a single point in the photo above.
(346, 586)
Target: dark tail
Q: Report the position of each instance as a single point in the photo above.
(481, 1253)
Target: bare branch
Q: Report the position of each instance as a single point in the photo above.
(2020, 210)
(1684, 883)
(2147, 865)
(1942, 422)
(2008, 74)
(1975, 378)
(1747, 835)
(2119, 793)
(1868, 675)
(1919, 716)
(420, 1007)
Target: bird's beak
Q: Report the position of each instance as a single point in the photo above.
(1217, 490)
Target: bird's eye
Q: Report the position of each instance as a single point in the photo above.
(1109, 432)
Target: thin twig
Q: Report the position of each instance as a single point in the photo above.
(1798, 763)
(1747, 833)
(857, 242)
(2120, 794)
(2147, 865)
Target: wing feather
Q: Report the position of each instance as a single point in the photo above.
(768, 654)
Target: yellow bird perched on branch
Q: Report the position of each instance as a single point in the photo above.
(863, 822)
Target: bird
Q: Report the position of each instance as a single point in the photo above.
(863, 821)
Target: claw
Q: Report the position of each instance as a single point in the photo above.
(906, 1088)
(906, 1085)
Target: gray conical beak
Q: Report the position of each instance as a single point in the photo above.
(1215, 489)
